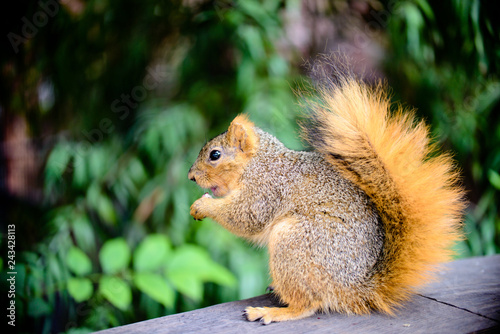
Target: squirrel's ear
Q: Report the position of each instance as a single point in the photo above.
(242, 135)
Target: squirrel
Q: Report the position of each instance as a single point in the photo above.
(354, 226)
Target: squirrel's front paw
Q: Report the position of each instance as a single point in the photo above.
(197, 207)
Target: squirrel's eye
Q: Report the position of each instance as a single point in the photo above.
(214, 155)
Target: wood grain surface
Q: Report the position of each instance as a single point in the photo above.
(465, 299)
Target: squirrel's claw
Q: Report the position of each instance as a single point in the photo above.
(197, 209)
(258, 313)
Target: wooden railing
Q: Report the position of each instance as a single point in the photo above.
(465, 299)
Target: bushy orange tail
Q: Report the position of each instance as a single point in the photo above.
(388, 155)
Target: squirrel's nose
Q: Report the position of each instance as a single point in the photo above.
(191, 175)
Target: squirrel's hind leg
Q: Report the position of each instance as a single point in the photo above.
(286, 265)
(276, 314)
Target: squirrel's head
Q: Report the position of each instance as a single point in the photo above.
(223, 159)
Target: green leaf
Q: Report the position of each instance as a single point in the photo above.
(197, 261)
(116, 291)
(426, 8)
(80, 178)
(106, 210)
(494, 178)
(114, 255)
(97, 162)
(156, 287)
(216, 273)
(188, 284)
(38, 307)
(80, 289)
(136, 171)
(55, 267)
(83, 232)
(93, 195)
(101, 203)
(190, 266)
(57, 162)
(78, 262)
(151, 252)
(252, 37)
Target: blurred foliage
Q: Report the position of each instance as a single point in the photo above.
(135, 88)
(445, 57)
(119, 245)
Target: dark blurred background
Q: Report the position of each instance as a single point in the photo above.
(105, 104)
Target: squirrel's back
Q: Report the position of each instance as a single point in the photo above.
(388, 155)
(304, 186)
